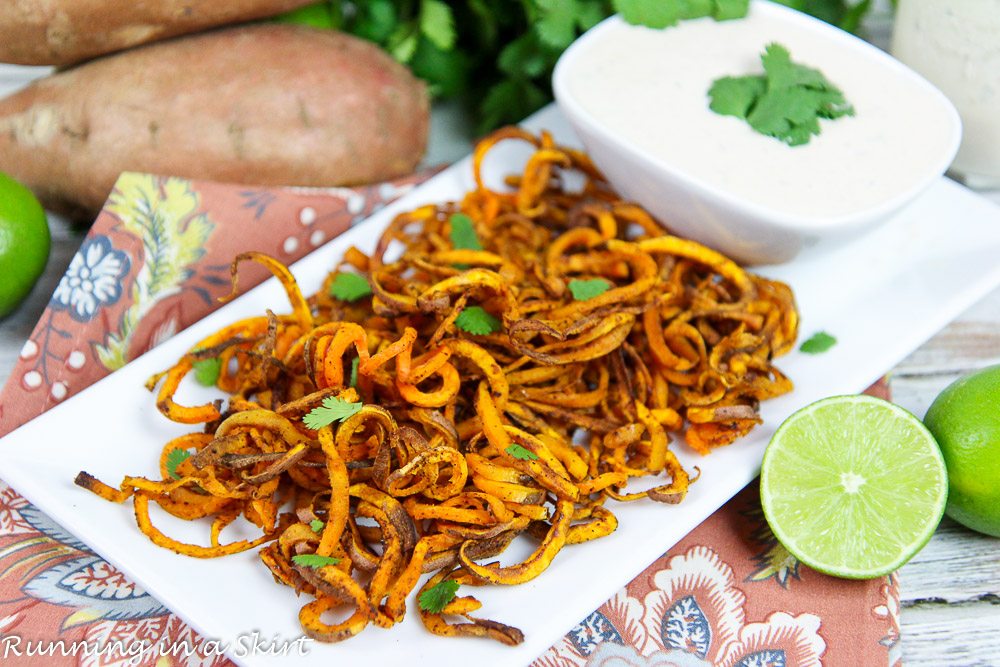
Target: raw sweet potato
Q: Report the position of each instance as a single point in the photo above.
(60, 32)
(263, 104)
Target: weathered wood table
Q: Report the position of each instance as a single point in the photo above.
(950, 593)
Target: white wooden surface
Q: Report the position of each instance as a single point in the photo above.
(950, 592)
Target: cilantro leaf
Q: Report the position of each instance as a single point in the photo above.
(446, 72)
(437, 23)
(818, 343)
(845, 14)
(726, 10)
(591, 12)
(350, 287)
(832, 104)
(588, 289)
(319, 15)
(403, 41)
(783, 73)
(665, 13)
(175, 457)
(354, 371)
(851, 21)
(375, 20)
(314, 561)
(332, 410)
(777, 112)
(735, 95)
(510, 100)
(696, 9)
(800, 133)
(476, 321)
(786, 103)
(316, 525)
(557, 24)
(463, 233)
(206, 371)
(523, 453)
(437, 597)
(799, 5)
(649, 13)
(524, 57)
(485, 22)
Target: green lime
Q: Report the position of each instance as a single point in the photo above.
(853, 486)
(24, 242)
(965, 420)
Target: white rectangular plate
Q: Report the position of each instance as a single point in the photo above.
(881, 295)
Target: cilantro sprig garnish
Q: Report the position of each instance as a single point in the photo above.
(175, 457)
(476, 321)
(437, 597)
(206, 371)
(314, 561)
(333, 409)
(350, 287)
(588, 289)
(818, 343)
(520, 452)
(786, 102)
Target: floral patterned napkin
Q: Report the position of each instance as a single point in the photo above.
(155, 261)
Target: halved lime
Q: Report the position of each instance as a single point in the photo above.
(853, 486)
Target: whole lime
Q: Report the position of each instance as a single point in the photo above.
(24, 242)
(965, 421)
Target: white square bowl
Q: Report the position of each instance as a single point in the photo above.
(882, 169)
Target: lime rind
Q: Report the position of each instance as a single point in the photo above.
(24, 242)
(890, 463)
(966, 423)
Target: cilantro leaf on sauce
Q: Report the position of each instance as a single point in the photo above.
(786, 102)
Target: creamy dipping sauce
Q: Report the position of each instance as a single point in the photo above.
(649, 87)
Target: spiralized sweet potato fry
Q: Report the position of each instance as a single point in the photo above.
(525, 353)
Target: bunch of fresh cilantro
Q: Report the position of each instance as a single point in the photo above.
(498, 56)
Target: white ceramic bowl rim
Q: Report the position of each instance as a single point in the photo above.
(775, 217)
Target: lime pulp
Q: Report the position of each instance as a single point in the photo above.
(853, 486)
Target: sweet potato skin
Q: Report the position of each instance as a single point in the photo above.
(61, 32)
(262, 104)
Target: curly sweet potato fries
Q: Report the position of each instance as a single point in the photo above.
(599, 335)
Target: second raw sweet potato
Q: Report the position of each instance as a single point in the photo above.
(265, 105)
(61, 32)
